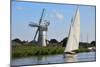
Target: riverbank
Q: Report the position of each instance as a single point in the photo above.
(24, 51)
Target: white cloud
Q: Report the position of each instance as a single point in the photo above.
(57, 15)
(19, 8)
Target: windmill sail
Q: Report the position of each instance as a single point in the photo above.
(39, 24)
(74, 34)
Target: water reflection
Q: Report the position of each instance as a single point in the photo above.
(88, 56)
(70, 58)
(41, 59)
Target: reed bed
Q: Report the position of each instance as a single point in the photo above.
(24, 51)
(30, 50)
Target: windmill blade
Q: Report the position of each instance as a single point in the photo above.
(36, 34)
(39, 24)
(41, 16)
(33, 24)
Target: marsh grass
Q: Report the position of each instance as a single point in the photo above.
(31, 50)
(24, 51)
(81, 50)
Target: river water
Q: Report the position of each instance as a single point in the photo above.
(51, 59)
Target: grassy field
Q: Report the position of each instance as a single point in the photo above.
(30, 50)
(24, 51)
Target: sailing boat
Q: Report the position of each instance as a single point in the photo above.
(74, 34)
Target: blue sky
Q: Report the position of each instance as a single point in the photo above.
(59, 16)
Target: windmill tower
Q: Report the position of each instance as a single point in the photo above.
(42, 28)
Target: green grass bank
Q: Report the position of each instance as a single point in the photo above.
(24, 51)
(29, 50)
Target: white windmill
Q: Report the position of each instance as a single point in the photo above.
(42, 28)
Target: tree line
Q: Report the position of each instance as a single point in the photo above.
(54, 42)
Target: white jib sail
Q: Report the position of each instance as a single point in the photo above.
(74, 34)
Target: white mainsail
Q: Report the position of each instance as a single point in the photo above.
(74, 33)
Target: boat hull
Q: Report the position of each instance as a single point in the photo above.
(71, 53)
